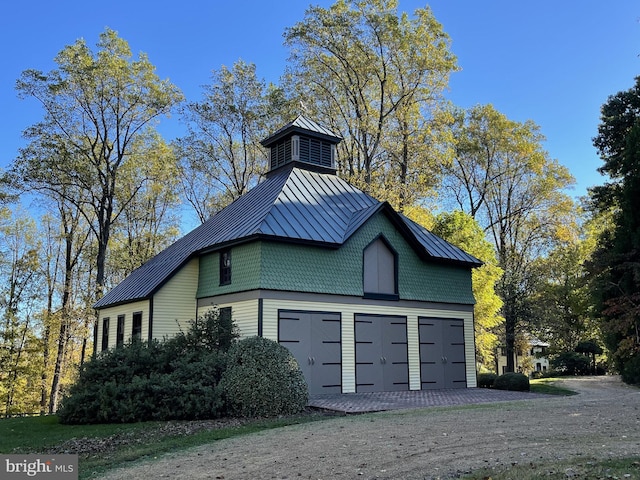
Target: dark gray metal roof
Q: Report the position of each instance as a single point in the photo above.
(438, 248)
(294, 204)
(304, 125)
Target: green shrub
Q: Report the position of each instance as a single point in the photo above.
(631, 371)
(113, 389)
(263, 379)
(512, 381)
(172, 380)
(572, 363)
(486, 380)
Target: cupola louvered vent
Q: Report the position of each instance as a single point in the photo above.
(304, 142)
(316, 151)
(280, 153)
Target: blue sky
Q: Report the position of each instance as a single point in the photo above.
(553, 62)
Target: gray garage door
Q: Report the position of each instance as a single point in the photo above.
(314, 339)
(442, 361)
(381, 353)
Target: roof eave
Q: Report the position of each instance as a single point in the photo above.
(417, 246)
(97, 306)
(292, 130)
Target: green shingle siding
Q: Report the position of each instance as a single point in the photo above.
(245, 271)
(303, 268)
(310, 269)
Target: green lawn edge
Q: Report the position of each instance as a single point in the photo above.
(45, 434)
(549, 386)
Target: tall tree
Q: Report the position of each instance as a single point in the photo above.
(96, 106)
(463, 231)
(562, 300)
(73, 238)
(19, 274)
(503, 178)
(221, 157)
(616, 263)
(149, 223)
(376, 77)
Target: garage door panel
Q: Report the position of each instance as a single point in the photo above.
(367, 352)
(430, 353)
(396, 377)
(368, 376)
(330, 353)
(314, 339)
(395, 331)
(396, 353)
(431, 376)
(455, 353)
(456, 376)
(381, 353)
(367, 331)
(328, 378)
(329, 328)
(453, 331)
(293, 329)
(442, 353)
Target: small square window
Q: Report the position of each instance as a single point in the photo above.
(225, 267)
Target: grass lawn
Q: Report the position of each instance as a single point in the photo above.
(103, 447)
(549, 387)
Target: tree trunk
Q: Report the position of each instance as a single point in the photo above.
(45, 365)
(64, 321)
(510, 330)
(55, 383)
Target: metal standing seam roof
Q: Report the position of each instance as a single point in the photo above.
(302, 124)
(294, 204)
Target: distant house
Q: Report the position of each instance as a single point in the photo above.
(364, 298)
(532, 358)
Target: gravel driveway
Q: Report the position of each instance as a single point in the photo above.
(602, 422)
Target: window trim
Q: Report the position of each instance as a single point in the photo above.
(225, 270)
(120, 331)
(105, 333)
(136, 330)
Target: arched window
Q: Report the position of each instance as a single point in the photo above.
(380, 276)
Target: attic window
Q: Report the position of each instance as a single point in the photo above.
(225, 267)
(380, 275)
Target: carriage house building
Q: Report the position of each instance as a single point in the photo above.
(364, 298)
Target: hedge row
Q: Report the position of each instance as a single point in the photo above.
(202, 374)
(509, 381)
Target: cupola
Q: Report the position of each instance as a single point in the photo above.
(304, 143)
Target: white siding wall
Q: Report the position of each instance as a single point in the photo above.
(174, 305)
(244, 314)
(128, 309)
(348, 312)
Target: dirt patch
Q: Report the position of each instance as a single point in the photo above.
(91, 446)
(602, 422)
